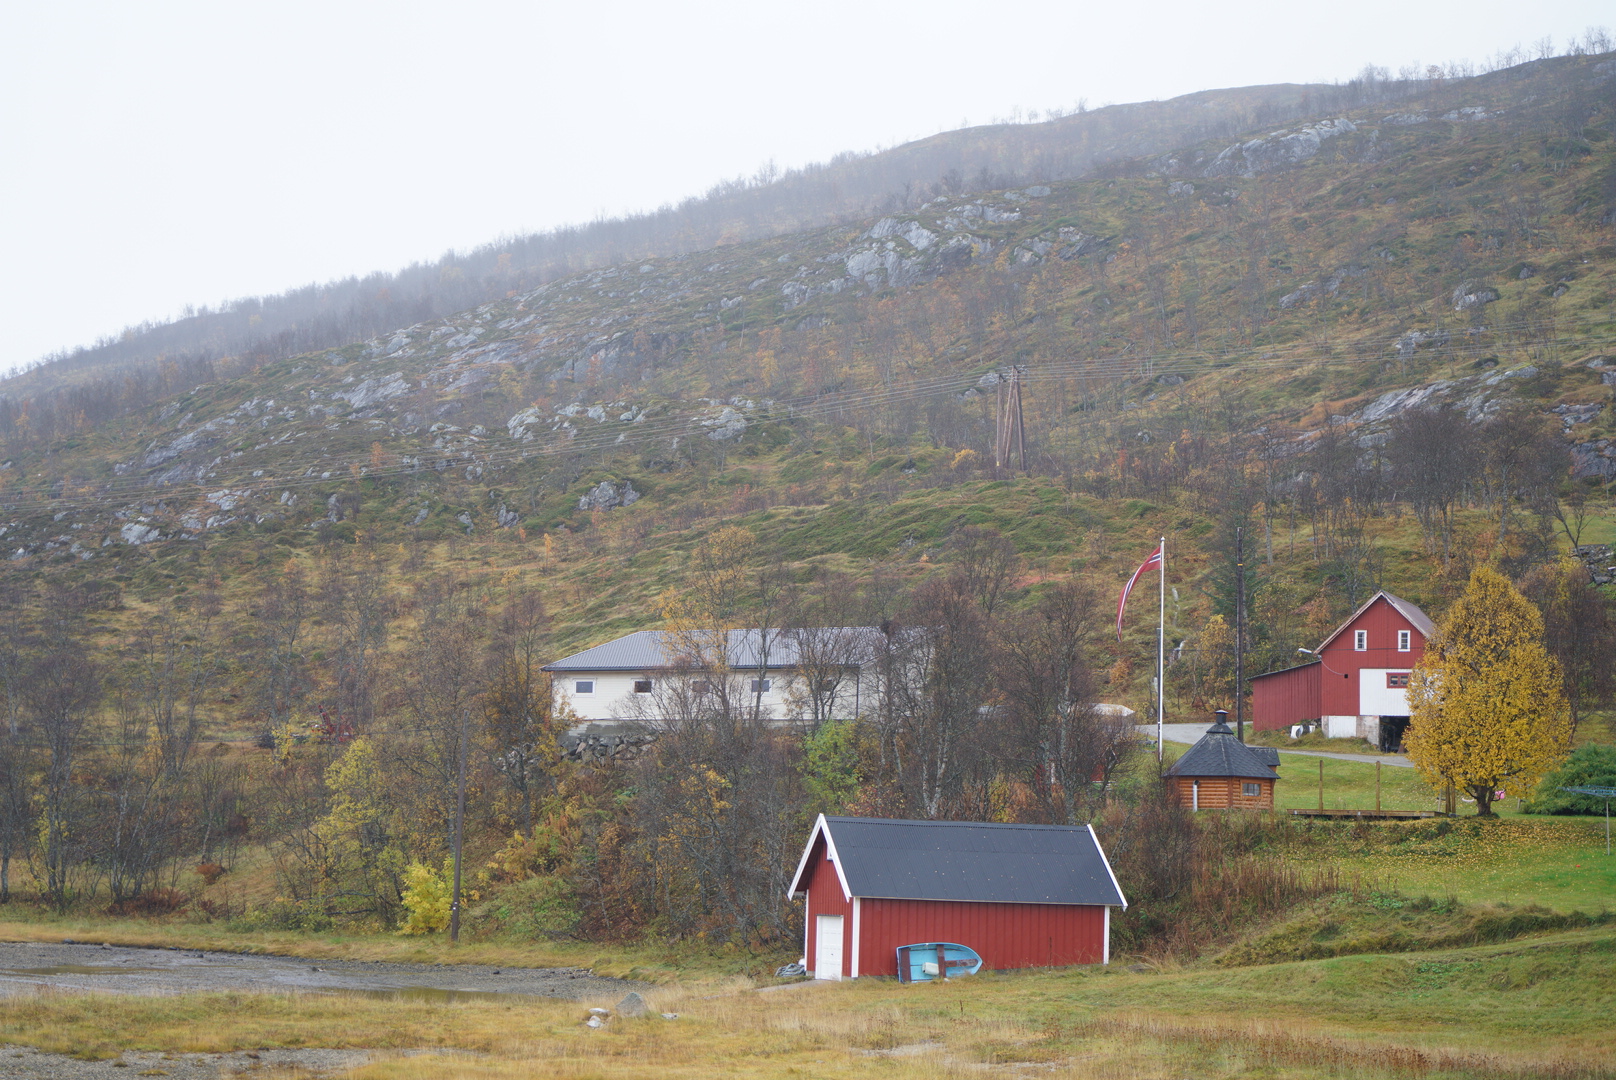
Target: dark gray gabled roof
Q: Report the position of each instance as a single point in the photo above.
(965, 860)
(1267, 755)
(1219, 753)
(648, 650)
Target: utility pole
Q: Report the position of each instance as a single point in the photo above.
(1010, 435)
(459, 833)
(1240, 633)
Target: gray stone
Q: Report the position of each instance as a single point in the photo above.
(1414, 339)
(1280, 149)
(375, 391)
(608, 495)
(1591, 459)
(1470, 296)
(135, 533)
(632, 1006)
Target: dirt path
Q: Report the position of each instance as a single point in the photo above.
(26, 966)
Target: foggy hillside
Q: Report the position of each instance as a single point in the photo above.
(766, 204)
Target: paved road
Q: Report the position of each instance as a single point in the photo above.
(1189, 733)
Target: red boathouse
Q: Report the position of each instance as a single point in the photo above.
(1358, 686)
(1020, 895)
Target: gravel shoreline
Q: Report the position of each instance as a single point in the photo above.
(28, 966)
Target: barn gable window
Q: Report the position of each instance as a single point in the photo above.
(1397, 680)
(1360, 640)
(584, 686)
(1405, 642)
(1251, 791)
(642, 686)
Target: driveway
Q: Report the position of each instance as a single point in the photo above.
(1190, 733)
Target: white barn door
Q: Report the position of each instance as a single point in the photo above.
(828, 947)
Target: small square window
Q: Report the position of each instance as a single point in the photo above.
(761, 686)
(1360, 640)
(1251, 791)
(1397, 680)
(1405, 642)
(642, 686)
(584, 686)
(700, 686)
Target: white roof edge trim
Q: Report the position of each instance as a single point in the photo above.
(820, 827)
(802, 863)
(836, 861)
(956, 900)
(1112, 873)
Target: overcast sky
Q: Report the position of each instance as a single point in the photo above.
(158, 154)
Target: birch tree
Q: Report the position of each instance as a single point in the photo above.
(1487, 709)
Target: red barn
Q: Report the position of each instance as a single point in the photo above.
(1020, 895)
(1358, 686)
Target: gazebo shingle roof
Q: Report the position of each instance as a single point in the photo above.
(1219, 753)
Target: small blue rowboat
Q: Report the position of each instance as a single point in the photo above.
(936, 960)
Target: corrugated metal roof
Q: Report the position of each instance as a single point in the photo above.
(648, 650)
(971, 861)
(1219, 753)
(1282, 671)
(1410, 611)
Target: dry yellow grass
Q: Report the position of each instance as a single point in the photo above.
(1411, 1016)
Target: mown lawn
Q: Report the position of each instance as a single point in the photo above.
(1557, 862)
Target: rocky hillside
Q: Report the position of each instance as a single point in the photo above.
(1227, 304)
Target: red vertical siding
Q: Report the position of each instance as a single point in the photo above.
(1340, 682)
(1284, 698)
(1004, 935)
(825, 898)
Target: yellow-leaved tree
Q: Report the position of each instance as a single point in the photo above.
(1487, 711)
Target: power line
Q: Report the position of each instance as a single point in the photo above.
(803, 407)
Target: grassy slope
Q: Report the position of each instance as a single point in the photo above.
(1515, 1009)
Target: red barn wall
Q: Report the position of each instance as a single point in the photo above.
(825, 898)
(1340, 695)
(1285, 698)
(1004, 935)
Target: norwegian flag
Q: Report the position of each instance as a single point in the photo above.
(1153, 561)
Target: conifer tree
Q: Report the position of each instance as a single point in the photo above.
(1488, 714)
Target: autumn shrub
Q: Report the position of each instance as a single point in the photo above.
(1588, 766)
(1193, 880)
(428, 894)
(283, 913)
(159, 901)
(545, 907)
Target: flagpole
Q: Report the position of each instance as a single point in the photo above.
(1161, 653)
